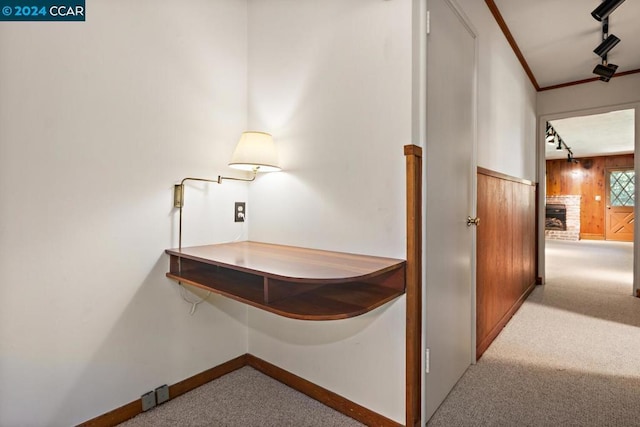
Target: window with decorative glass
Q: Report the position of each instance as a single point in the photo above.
(622, 187)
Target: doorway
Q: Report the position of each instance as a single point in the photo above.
(589, 163)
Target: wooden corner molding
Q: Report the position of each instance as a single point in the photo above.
(413, 290)
(512, 42)
(589, 80)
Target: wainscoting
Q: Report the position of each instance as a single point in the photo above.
(506, 251)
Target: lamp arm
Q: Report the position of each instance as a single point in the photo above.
(178, 195)
(220, 178)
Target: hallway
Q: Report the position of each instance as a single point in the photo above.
(569, 356)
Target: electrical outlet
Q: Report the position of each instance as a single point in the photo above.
(240, 212)
(162, 394)
(148, 401)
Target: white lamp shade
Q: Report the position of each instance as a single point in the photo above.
(255, 152)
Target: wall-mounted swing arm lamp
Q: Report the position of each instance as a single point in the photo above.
(255, 152)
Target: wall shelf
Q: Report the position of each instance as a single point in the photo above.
(299, 283)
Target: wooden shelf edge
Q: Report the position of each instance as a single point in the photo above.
(353, 278)
(279, 307)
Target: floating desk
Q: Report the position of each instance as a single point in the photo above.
(299, 283)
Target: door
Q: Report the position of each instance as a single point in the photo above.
(450, 187)
(619, 216)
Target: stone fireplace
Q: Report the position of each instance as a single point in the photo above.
(563, 218)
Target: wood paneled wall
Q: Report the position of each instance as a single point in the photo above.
(506, 251)
(586, 178)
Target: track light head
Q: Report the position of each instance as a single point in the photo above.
(606, 45)
(605, 71)
(605, 8)
(550, 134)
(559, 147)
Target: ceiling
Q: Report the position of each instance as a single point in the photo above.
(595, 135)
(557, 37)
(554, 40)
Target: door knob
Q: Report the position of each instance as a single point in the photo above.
(472, 221)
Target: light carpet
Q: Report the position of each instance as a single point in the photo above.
(569, 357)
(243, 398)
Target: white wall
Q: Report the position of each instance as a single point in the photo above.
(332, 81)
(98, 120)
(506, 100)
(620, 90)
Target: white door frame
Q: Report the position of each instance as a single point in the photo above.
(542, 183)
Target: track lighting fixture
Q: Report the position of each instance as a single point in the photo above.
(562, 146)
(607, 44)
(550, 139)
(550, 134)
(605, 71)
(609, 41)
(571, 159)
(605, 8)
